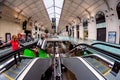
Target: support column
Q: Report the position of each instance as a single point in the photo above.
(81, 31)
(92, 33)
(112, 25)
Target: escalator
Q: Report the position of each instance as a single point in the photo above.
(99, 64)
(13, 71)
(77, 66)
(114, 49)
(104, 66)
(8, 69)
(102, 61)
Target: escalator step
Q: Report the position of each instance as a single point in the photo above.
(13, 72)
(102, 69)
(7, 77)
(3, 77)
(10, 74)
(16, 70)
(95, 63)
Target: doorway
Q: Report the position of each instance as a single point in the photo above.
(78, 34)
(101, 34)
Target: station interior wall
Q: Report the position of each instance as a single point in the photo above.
(8, 24)
(112, 22)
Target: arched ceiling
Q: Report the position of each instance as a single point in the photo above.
(71, 9)
(31, 8)
(76, 8)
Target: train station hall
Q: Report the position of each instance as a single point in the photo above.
(59, 39)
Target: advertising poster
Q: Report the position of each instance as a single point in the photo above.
(112, 37)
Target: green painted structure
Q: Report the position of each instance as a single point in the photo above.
(30, 53)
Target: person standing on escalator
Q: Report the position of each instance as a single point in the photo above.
(36, 51)
(70, 48)
(15, 46)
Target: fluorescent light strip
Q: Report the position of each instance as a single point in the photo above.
(92, 69)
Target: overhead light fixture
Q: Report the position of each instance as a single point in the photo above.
(106, 15)
(111, 9)
(106, 11)
(29, 18)
(88, 20)
(73, 21)
(79, 18)
(92, 18)
(69, 23)
(17, 20)
(112, 14)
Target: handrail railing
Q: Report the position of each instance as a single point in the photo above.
(107, 45)
(10, 54)
(7, 45)
(100, 50)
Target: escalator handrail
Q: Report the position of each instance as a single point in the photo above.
(71, 50)
(7, 45)
(10, 54)
(107, 45)
(100, 50)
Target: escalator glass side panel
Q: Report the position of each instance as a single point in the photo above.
(107, 48)
(12, 72)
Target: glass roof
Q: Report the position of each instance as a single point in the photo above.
(54, 8)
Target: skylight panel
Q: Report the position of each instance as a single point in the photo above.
(54, 8)
(48, 3)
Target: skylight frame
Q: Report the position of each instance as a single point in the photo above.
(54, 9)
